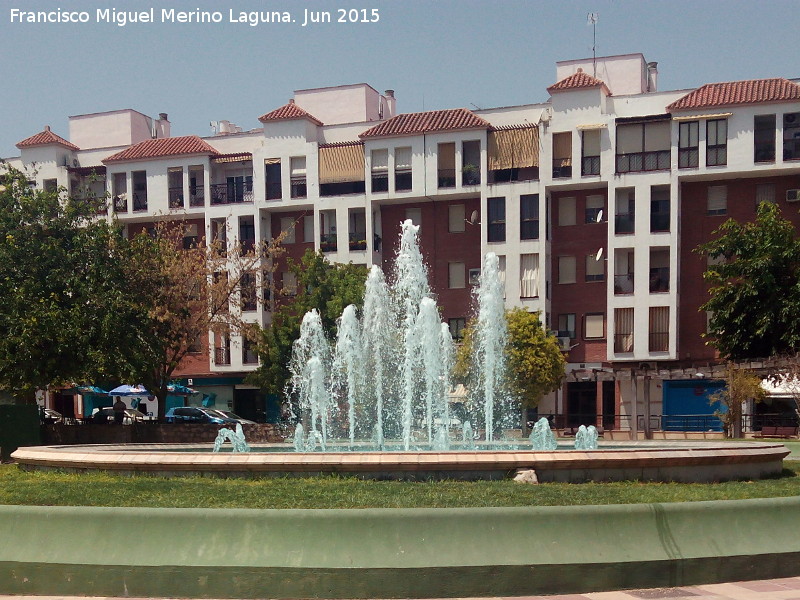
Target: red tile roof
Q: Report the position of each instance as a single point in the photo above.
(576, 81)
(172, 146)
(45, 138)
(288, 112)
(739, 92)
(426, 122)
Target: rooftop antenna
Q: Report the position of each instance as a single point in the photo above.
(591, 19)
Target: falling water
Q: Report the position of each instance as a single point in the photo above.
(427, 335)
(542, 437)
(347, 373)
(377, 335)
(586, 438)
(490, 338)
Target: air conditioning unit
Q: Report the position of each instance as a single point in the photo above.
(793, 195)
(564, 344)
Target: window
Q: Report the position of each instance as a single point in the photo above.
(659, 329)
(457, 327)
(297, 175)
(716, 142)
(175, 187)
(197, 191)
(247, 290)
(529, 217)
(624, 217)
(590, 152)
(222, 348)
(659, 270)
(456, 218)
(659, 208)
(764, 138)
(595, 269)
(139, 179)
(119, 188)
(247, 234)
(717, 200)
(594, 326)
(529, 275)
(402, 169)
(287, 225)
(623, 330)
(566, 325)
(791, 136)
(380, 171)
(562, 154)
(328, 241)
(272, 175)
(357, 229)
(475, 274)
(50, 185)
(594, 209)
(643, 146)
(688, 144)
(249, 355)
(765, 192)
(623, 271)
(496, 207)
(566, 211)
(455, 275)
(446, 165)
(566, 269)
(414, 215)
(289, 283)
(471, 163)
(308, 229)
(190, 236)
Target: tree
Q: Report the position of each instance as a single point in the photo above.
(181, 293)
(535, 365)
(755, 286)
(62, 302)
(741, 385)
(327, 287)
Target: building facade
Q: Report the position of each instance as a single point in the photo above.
(594, 200)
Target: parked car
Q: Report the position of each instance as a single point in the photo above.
(106, 415)
(234, 417)
(197, 414)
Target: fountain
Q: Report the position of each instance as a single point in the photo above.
(235, 437)
(542, 437)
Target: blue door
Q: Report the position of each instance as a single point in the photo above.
(687, 406)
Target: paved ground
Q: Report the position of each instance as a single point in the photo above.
(767, 589)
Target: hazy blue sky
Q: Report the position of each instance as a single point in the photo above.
(433, 53)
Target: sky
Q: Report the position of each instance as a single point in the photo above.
(434, 53)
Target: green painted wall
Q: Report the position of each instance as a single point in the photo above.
(393, 552)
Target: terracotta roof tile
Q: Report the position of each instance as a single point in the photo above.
(425, 122)
(288, 112)
(576, 81)
(45, 138)
(729, 93)
(172, 146)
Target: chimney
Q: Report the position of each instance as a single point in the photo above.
(161, 126)
(391, 104)
(652, 76)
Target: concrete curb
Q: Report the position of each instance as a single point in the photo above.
(393, 553)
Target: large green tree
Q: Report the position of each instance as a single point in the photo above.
(62, 298)
(327, 287)
(755, 286)
(535, 365)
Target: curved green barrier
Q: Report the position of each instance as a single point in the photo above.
(385, 553)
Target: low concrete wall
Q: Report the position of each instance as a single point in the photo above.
(151, 433)
(393, 553)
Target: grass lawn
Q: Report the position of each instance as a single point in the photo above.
(103, 489)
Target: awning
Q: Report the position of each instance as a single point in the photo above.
(698, 117)
(513, 148)
(229, 158)
(592, 126)
(339, 163)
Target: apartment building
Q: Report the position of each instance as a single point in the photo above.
(594, 200)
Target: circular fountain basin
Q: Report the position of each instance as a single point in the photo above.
(643, 460)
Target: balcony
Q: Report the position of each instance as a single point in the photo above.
(358, 240)
(299, 188)
(656, 160)
(659, 279)
(175, 196)
(659, 222)
(447, 178)
(623, 284)
(197, 196)
(232, 192)
(380, 183)
(139, 202)
(590, 165)
(222, 356)
(470, 175)
(120, 204)
(327, 242)
(624, 223)
(560, 170)
(402, 180)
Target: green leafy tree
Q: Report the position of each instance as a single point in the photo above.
(535, 365)
(63, 304)
(327, 287)
(741, 385)
(755, 286)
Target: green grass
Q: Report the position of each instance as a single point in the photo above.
(104, 489)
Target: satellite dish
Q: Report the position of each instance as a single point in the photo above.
(599, 218)
(473, 218)
(599, 254)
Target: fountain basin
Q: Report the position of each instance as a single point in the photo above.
(644, 460)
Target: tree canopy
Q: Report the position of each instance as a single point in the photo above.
(327, 287)
(534, 363)
(755, 286)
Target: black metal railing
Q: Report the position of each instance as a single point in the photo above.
(120, 204)
(197, 196)
(232, 192)
(688, 157)
(380, 183)
(299, 188)
(561, 171)
(222, 356)
(327, 242)
(139, 202)
(624, 223)
(175, 196)
(470, 176)
(402, 181)
(358, 240)
(590, 165)
(659, 279)
(447, 178)
(659, 222)
(656, 160)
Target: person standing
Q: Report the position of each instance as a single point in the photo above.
(119, 410)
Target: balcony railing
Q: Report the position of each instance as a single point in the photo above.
(175, 195)
(139, 202)
(560, 170)
(232, 192)
(659, 279)
(623, 284)
(222, 356)
(688, 157)
(590, 165)
(659, 222)
(447, 178)
(197, 196)
(358, 240)
(380, 183)
(299, 188)
(327, 242)
(120, 203)
(470, 175)
(624, 223)
(402, 181)
(656, 160)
